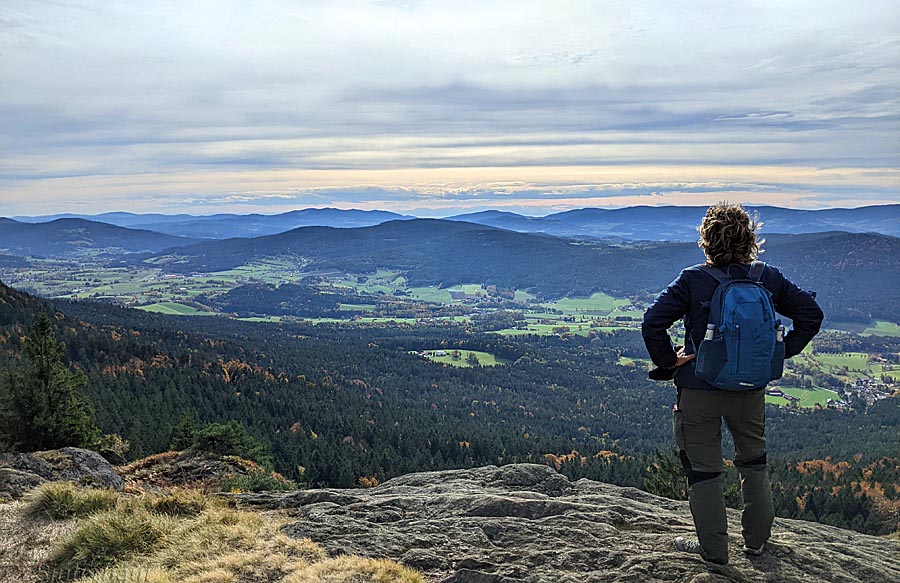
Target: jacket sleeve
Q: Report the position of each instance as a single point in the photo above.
(801, 307)
(669, 307)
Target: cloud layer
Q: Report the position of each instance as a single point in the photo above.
(437, 106)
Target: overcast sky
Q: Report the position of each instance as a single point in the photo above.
(436, 107)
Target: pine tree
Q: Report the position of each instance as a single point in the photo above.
(665, 476)
(183, 433)
(41, 407)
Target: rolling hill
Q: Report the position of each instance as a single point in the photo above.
(855, 274)
(223, 226)
(676, 223)
(63, 237)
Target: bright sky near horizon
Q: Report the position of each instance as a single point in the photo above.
(437, 107)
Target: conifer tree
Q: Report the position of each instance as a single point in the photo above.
(42, 407)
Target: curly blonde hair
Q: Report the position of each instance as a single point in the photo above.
(728, 235)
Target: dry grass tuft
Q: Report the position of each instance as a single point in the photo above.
(60, 500)
(178, 536)
(109, 537)
(25, 542)
(348, 569)
(177, 502)
(149, 461)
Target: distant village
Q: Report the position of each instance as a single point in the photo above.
(867, 390)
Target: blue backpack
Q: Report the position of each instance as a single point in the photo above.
(743, 348)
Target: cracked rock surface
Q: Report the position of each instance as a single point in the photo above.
(527, 523)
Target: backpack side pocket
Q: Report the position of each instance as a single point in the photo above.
(778, 359)
(712, 355)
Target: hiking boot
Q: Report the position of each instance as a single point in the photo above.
(687, 545)
(692, 546)
(755, 552)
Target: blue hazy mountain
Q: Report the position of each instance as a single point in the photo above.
(63, 237)
(118, 218)
(224, 226)
(648, 223)
(678, 223)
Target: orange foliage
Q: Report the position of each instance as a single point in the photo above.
(368, 481)
(558, 460)
(825, 466)
(607, 455)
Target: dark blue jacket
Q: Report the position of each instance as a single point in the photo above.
(688, 297)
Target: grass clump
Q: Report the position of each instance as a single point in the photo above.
(181, 536)
(257, 480)
(60, 500)
(181, 503)
(350, 569)
(106, 538)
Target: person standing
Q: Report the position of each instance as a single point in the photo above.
(728, 237)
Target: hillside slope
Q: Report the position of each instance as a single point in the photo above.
(73, 236)
(527, 523)
(855, 274)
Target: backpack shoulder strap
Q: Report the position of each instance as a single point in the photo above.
(715, 273)
(756, 270)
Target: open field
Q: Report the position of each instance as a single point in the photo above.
(882, 328)
(599, 304)
(808, 397)
(635, 362)
(853, 361)
(382, 281)
(430, 294)
(583, 329)
(174, 309)
(878, 328)
(357, 308)
(460, 357)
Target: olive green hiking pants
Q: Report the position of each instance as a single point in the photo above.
(697, 426)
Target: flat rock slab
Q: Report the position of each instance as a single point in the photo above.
(528, 523)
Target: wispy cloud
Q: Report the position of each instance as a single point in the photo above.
(428, 104)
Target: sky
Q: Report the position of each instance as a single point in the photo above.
(439, 107)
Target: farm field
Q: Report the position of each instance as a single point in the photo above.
(808, 397)
(583, 329)
(357, 308)
(855, 365)
(599, 304)
(636, 362)
(174, 309)
(882, 328)
(461, 358)
(877, 328)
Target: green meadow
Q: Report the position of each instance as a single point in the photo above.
(599, 304)
(461, 357)
(174, 309)
(808, 397)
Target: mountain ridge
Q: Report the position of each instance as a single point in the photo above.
(657, 223)
(69, 236)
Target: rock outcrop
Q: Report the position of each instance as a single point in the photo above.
(20, 472)
(185, 469)
(527, 523)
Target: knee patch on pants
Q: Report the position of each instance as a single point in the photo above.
(754, 463)
(694, 476)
